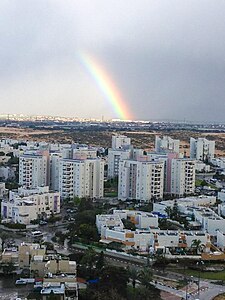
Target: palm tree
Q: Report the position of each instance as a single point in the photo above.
(133, 274)
(168, 210)
(197, 245)
(145, 277)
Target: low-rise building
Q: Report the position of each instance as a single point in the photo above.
(30, 204)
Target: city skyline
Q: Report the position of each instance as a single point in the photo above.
(164, 59)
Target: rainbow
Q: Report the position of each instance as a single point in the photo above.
(106, 85)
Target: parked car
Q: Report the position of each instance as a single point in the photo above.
(20, 282)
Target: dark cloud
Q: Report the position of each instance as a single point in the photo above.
(167, 57)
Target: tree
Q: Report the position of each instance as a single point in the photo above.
(89, 259)
(197, 245)
(161, 261)
(168, 210)
(8, 268)
(133, 273)
(114, 278)
(88, 232)
(145, 277)
(175, 210)
(4, 237)
(128, 224)
(147, 293)
(101, 261)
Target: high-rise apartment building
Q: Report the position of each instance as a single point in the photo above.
(202, 149)
(166, 144)
(34, 169)
(180, 177)
(121, 149)
(120, 141)
(30, 204)
(81, 178)
(140, 180)
(114, 158)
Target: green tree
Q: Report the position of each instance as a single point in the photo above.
(197, 246)
(8, 268)
(133, 274)
(4, 238)
(101, 261)
(114, 278)
(89, 258)
(168, 210)
(145, 277)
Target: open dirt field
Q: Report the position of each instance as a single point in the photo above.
(140, 139)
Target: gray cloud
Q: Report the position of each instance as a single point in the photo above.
(167, 57)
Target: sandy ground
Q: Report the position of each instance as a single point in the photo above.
(24, 131)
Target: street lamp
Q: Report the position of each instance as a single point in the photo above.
(200, 264)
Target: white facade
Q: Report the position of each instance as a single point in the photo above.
(81, 178)
(114, 158)
(202, 149)
(54, 171)
(7, 173)
(221, 195)
(201, 167)
(140, 180)
(30, 204)
(166, 144)
(141, 219)
(34, 169)
(182, 177)
(198, 201)
(120, 141)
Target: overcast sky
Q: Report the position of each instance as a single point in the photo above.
(167, 57)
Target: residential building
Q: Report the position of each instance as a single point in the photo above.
(34, 169)
(147, 237)
(30, 204)
(81, 178)
(54, 170)
(140, 180)
(114, 158)
(202, 149)
(180, 176)
(120, 141)
(166, 144)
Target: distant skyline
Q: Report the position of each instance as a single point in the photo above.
(165, 59)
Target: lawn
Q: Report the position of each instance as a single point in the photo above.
(205, 275)
(110, 194)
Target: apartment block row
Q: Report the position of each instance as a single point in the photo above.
(74, 171)
(26, 205)
(147, 237)
(58, 275)
(198, 210)
(200, 149)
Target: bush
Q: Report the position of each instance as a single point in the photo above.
(15, 225)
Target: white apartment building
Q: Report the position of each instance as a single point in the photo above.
(81, 178)
(201, 167)
(120, 141)
(181, 177)
(34, 169)
(183, 203)
(197, 207)
(114, 158)
(140, 180)
(166, 144)
(121, 150)
(141, 219)
(153, 240)
(202, 149)
(54, 162)
(30, 204)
